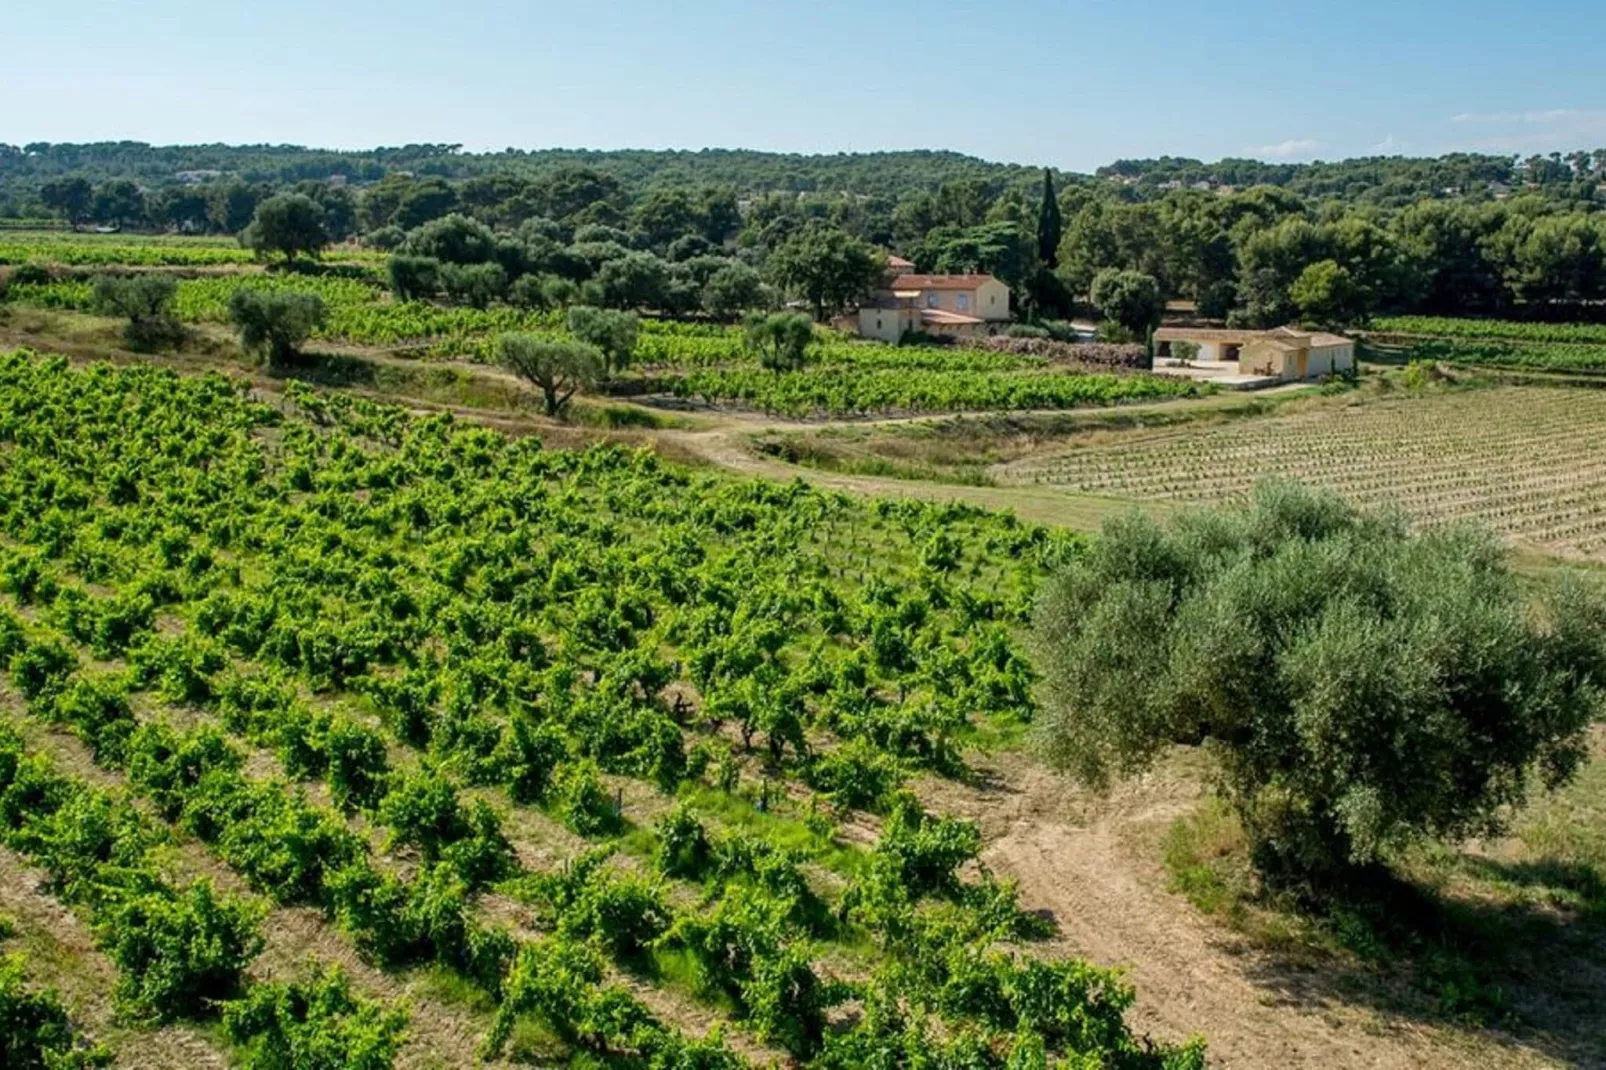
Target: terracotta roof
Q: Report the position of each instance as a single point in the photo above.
(898, 261)
(1322, 338)
(944, 318)
(941, 282)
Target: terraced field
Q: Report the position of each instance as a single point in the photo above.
(1530, 463)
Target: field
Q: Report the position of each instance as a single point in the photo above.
(1496, 330)
(557, 750)
(1528, 462)
(136, 250)
(531, 698)
(699, 362)
(1578, 348)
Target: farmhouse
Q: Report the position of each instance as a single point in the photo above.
(1282, 353)
(960, 306)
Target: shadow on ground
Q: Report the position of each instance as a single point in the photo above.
(1531, 968)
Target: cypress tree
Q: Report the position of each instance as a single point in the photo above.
(1049, 224)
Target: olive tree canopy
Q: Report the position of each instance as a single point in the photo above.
(1360, 686)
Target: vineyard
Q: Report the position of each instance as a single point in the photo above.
(1491, 330)
(1543, 347)
(581, 730)
(688, 360)
(1544, 357)
(137, 250)
(1528, 462)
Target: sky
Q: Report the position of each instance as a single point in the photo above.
(1071, 84)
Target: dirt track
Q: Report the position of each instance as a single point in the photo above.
(1094, 865)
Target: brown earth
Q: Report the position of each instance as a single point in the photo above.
(1093, 864)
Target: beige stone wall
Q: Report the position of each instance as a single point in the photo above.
(1263, 358)
(883, 324)
(991, 301)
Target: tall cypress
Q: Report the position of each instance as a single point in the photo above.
(1049, 224)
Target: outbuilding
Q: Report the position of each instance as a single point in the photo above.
(1282, 353)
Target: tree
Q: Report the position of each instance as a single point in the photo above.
(666, 214)
(182, 208)
(1003, 250)
(69, 198)
(1130, 298)
(1268, 263)
(827, 267)
(454, 239)
(1325, 294)
(1361, 687)
(118, 203)
(475, 285)
(413, 278)
(1050, 226)
(781, 339)
(339, 206)
(423, 200)
(231, 207)
(612, 332)
(376, 207)
(275, 322)
(634, 280)
(146, 301)
(290, 223)
(557, 369)
(732, 289)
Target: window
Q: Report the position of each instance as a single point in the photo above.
(931, 300)
(962, 302)
(992, 299)
(878, 323)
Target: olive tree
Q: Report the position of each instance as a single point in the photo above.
(611, 331)
(1359, 686)
(732, 289)
(557, 369)
(275, 322)
(413, 278)
(291, 223)
(146, 301)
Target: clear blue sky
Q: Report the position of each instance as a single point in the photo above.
(1073, 84)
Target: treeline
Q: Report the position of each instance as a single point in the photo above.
(1382, 179)
(1266, 254)
(1378, 179)
(889, 174)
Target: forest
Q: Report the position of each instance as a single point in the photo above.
(1256, 243)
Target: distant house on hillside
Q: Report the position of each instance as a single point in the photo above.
(1282, 353)
(959, 306)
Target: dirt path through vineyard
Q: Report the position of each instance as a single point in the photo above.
(726, 447)
(1094, 864)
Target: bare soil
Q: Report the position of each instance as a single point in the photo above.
(1093, 865)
